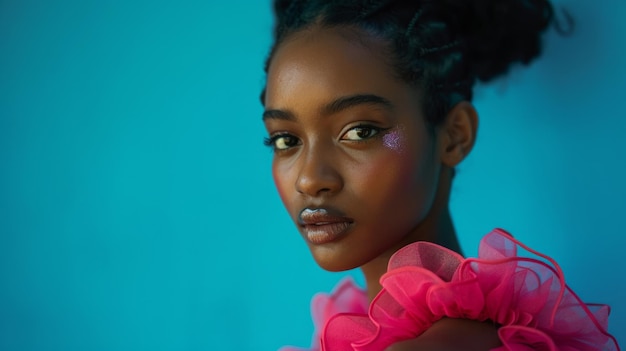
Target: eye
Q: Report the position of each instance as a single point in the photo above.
(360, 133)
(281, 142)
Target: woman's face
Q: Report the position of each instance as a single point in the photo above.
(354, 163)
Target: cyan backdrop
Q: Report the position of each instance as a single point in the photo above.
(137, 210)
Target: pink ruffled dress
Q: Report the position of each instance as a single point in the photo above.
(526, 297)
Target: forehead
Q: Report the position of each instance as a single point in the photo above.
(330, 62)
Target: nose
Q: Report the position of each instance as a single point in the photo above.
(317, 175)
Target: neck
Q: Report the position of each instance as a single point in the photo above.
(437, 227)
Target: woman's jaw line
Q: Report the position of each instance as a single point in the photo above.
(437, 227)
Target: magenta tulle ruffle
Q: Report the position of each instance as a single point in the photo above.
(526, 297)
(347, 297)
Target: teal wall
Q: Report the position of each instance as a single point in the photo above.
(137, 210)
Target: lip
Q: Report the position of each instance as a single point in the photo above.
(323, 225)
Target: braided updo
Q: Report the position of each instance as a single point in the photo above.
(441, 46)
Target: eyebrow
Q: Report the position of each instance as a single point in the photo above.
(278, 114)
(346, 102)
(338, 105)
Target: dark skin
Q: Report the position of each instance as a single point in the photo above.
(350, 138)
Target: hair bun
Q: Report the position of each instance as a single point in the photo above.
(496, 33)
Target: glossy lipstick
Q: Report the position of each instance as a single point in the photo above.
(323, 225)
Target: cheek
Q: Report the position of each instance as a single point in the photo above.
(385, 177)
(404, 162)
(400, 182)
(401, 174)
(282, 181)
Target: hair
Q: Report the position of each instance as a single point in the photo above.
(441, 46)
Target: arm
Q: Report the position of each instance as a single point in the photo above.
(449, 334)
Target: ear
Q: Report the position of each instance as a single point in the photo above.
(457, 133)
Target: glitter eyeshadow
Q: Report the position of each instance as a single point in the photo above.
(393, 140)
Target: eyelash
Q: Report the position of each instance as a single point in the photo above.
(371, 128)
(271, 141)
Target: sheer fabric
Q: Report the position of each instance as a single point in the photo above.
(526, 297)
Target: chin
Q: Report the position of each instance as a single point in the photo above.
(331, 258)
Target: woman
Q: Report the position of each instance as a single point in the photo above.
(368, 109)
